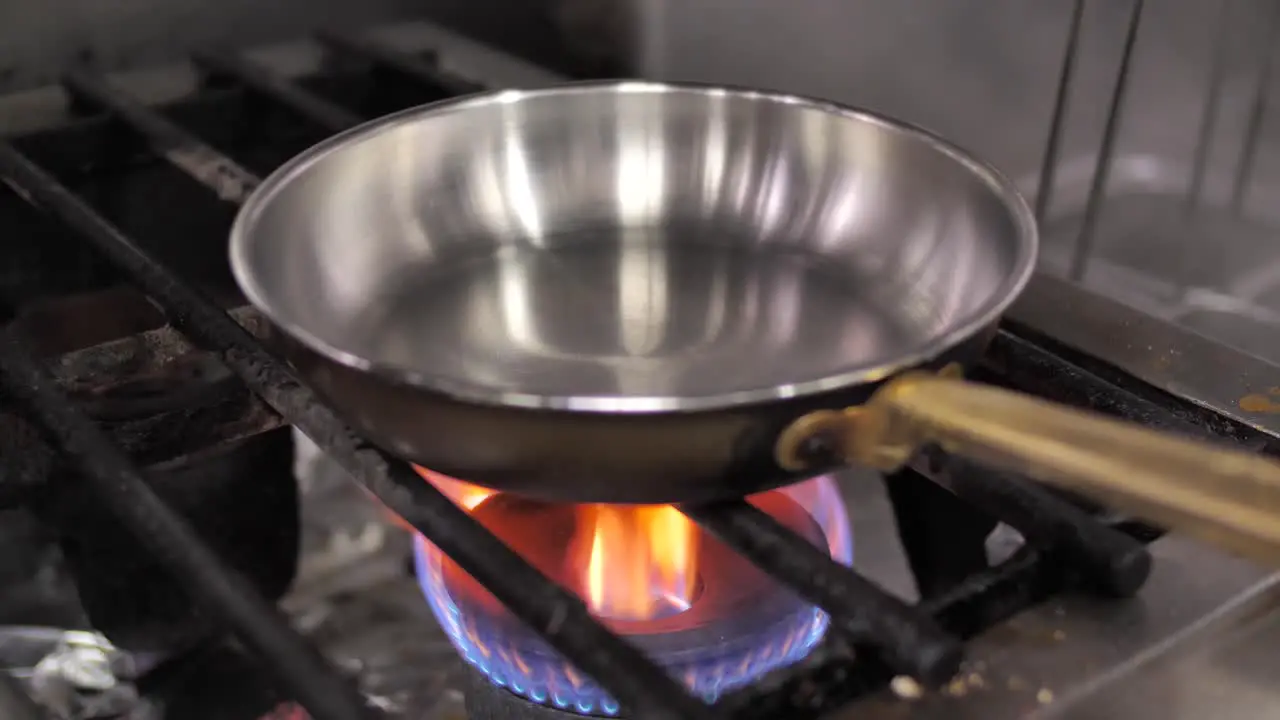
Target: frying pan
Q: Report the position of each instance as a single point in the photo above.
(655, 293)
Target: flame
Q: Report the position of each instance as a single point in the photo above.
(628, 562)
(463, 494)
(641, 560)
(633, 562)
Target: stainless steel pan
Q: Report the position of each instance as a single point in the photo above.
(632, 292)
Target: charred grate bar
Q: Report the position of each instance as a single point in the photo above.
(228, 180)
(102, 370)
(834, 676)
(121, 487)
(907, 638)
(1111, 562)
(988, 597)
(559, 617)
(273, 86)
(424, 71)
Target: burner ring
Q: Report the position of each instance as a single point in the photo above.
(487, 701)
(741, 625)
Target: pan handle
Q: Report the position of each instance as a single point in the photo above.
(1221, 495)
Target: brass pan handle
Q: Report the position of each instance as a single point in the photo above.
(1223, 496)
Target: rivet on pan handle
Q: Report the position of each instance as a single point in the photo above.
(1222, 495)
(827, 432)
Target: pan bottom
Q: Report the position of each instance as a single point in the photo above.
(643, 316)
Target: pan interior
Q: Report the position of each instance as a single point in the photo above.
(633, 247)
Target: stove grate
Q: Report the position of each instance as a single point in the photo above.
(564, 621)
(906, 637)
(120, 485)
(426, 71)
(277, 88)
(891, 637)
(834, 675)
(225, 177)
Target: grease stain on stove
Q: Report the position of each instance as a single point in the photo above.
(1260, 403)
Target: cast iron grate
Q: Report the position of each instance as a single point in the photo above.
(1067, 547)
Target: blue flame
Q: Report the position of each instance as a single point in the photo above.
(522, 663)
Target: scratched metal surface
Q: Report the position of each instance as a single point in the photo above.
(1192, 644)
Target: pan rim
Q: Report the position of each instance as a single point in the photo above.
(243, 233)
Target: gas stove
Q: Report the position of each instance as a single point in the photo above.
(157, 503)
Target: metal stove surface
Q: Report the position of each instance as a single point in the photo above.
(1195, 640)
(357, 598)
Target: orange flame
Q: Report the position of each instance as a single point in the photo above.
(463, 494)
(641, 560)
(628, 562)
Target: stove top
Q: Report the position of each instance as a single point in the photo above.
(359, 601)
(187, 507)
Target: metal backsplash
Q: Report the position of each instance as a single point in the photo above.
(986, 72)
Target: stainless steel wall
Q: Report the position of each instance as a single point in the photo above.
(984, 73)
(981, 71)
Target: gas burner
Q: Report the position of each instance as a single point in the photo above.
(486, 701)
(708, 616)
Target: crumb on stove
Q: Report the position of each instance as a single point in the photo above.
(960, 686)
(1045, 696)
(906, 687)
(1059, 635)
(957, 688)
